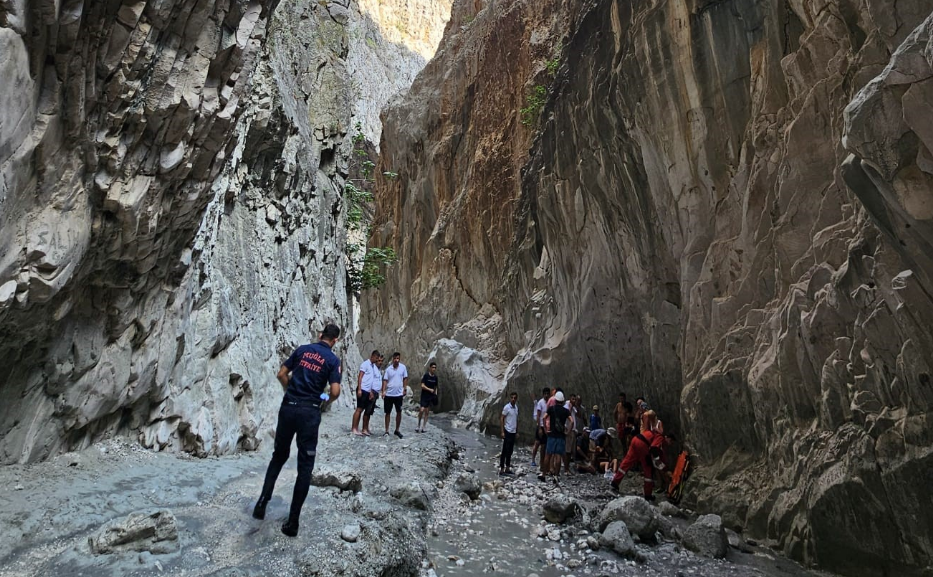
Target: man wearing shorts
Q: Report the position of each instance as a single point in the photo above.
(366, 382)
(428, 396)
(394, 385)
(540, 434)
(556, 422)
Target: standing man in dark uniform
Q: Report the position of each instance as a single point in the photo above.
(304, 376)
(428, 396)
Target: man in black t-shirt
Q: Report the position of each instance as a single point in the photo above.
(428, 396)
(556, 422)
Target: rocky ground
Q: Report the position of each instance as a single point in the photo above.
(578, 526)
(428, 504)
(116, 509)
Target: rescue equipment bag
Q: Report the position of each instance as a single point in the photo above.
(679, 476)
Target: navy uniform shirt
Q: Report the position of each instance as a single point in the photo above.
(313, 367)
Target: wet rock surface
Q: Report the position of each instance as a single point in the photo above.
(616, 536)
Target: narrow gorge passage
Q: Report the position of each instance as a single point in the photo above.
(403, 498)
(721, 207)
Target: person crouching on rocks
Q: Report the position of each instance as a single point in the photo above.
(650, 439)
(304, 376)
(428, 396)
(509, 424)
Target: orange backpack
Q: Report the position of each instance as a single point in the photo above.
(678, 477)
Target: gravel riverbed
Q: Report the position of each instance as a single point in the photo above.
(504, 531)
(429, 504)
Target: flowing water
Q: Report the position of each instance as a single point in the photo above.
(493, 536)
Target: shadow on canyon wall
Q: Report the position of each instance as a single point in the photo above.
(724, 205)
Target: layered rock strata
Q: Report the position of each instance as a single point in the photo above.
(721, 205)
(172, 219)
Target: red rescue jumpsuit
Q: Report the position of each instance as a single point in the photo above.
(639, 453)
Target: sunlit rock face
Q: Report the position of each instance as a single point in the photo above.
(390, 42)
(172, 220)
(721, 205)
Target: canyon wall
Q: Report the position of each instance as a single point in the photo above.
(724, 206)
(172, 220)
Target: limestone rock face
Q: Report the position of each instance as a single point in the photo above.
(172, 220)
(724, 206)
(390, 42)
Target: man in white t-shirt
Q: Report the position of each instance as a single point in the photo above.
(509, 423)
(394, 388)
(368, 385)
(540, 434)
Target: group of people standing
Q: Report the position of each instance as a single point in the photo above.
(564, 436)
(311, 378)
(390, 385)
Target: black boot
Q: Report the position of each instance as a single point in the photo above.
(259, 511)
(290, 527)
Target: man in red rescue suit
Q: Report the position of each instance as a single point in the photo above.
(646, 448)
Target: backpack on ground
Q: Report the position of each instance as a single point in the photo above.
(679, 477)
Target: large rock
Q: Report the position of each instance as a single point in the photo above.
(639, 516)
(468, 484)
(707, 537)
(752, 232)
(670, 509)
(616, 536)
(412, 494)
(152, 531)
(559, 508)
(341, 479)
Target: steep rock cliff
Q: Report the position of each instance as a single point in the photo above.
(390, 42)
(172, 219)
(722, 205)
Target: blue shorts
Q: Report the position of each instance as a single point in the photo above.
(556, 446)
